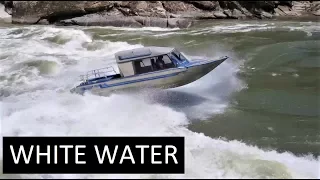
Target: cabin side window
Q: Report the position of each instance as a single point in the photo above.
(153, 64)
(142, 66)
(163, 62)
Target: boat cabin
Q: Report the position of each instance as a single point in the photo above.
(135, 62)
(148, 59)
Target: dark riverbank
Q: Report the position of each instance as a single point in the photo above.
(165, 14)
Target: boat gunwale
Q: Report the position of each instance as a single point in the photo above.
(110, 80)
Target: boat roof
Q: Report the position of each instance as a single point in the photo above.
(140, 53)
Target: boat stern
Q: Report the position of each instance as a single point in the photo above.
(77, 90)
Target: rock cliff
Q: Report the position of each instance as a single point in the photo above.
(151, 13)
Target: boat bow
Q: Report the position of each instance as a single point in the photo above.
(204, 62)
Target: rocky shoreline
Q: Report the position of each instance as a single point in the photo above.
(165, 14)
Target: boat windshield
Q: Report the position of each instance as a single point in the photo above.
(177, 56)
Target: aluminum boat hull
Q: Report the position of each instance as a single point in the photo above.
(164, 79)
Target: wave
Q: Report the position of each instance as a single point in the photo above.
(39, 104)
(30, 54)
(47, 113)
(153, 29)
(239, 27)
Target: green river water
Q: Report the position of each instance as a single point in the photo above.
(254, 116)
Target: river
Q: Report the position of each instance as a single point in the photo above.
(254, 116)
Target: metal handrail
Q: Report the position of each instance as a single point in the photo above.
(97, 73)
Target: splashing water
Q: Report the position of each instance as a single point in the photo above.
(40, 64)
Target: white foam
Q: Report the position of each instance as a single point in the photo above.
(164, 34)
(234, 28)
(308, 27)
(31, 44)
(155, 29)
(47, 113)
(43, 106)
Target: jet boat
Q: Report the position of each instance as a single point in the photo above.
(147, 67)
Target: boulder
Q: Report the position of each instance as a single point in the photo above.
(235, 7)
(176, 7)
(101, 20)
(228, 13)
(279, 12)
(205, 5)
(219, 15)
(143, 8)
(287, 10)
(237, 14)
(152, 21)
(31, 12)
(315, 8)
(119, 20)
(266, 15)
(267, 6)
(179, 23)
(197, 15)
(8, 6)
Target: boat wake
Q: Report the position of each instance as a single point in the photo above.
(37, 74)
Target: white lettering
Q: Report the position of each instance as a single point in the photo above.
(78, 154)
(127, 148)
(55, 154)
(43, 154)
(153, 154)
(106, 148)
(21, 150)
(171, 154)
(66, 147)
(142, 151)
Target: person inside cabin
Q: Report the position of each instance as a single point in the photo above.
(160, 63)
(153, 64)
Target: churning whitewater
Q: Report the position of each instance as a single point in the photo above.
(40, 64)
